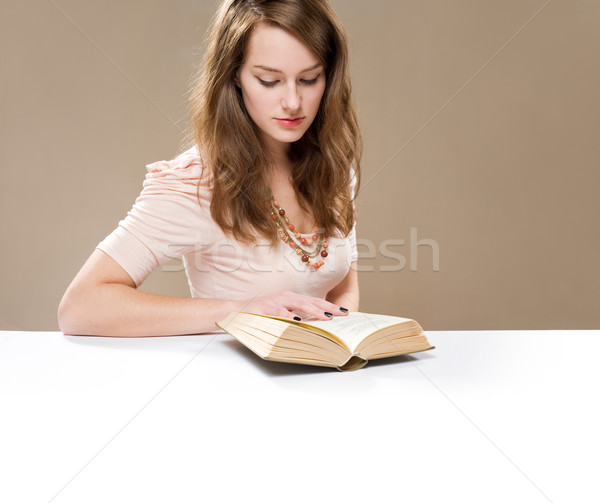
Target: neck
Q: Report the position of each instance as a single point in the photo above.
(281, 167)
(279, 151)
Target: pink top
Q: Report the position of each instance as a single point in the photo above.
(166, 222)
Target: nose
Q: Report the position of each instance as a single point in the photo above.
(291, 99)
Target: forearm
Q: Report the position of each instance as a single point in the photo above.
(348, 299)
(118, 310)
(346, 292)
(103, 300)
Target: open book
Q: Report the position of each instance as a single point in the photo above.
(344, 342)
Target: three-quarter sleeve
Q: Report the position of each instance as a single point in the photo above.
(164, 220)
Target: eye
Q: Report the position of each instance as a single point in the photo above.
(310, 82)
(267, 83)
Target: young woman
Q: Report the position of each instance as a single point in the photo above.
(260, 207)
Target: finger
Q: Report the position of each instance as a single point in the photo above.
(310, 309)
(285, 313)
(312, 306)
(275, 310)
(336, 309)
(328, 308)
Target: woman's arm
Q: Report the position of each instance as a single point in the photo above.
(346, 293)
(103, 300)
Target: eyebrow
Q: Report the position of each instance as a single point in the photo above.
(274, 70)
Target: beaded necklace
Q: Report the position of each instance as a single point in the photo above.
(297, 242)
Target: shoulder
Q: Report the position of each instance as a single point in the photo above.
(354, 176)
(185, 173)
(186, 165)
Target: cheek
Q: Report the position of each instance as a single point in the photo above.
(316, 97)
(257, 101)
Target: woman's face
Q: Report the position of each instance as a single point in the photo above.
(282, 84)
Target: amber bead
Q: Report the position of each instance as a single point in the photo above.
(304, 258)
(324, 254)
(282, 212)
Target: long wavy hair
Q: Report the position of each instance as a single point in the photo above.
(324, 159)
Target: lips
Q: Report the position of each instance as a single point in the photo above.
(289, 121)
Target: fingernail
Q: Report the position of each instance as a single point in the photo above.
(297, 318)
(343, 310)
(329, 315)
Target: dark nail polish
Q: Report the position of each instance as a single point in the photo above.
(329, 315)
(297, 318)
(343, 310)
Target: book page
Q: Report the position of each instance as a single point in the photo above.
(354, 327)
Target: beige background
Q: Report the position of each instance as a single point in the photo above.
(480, 121)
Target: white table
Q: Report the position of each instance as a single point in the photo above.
(497, 416)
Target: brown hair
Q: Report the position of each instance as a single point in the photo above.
(230, 143)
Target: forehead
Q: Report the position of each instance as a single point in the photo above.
(276, 48)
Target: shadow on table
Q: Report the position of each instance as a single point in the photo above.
(187, 343)
(275, 369)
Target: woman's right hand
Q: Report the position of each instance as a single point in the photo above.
(287, 304)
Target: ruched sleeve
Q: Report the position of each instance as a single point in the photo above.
(165, 219)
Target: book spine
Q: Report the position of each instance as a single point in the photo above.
(354, 363)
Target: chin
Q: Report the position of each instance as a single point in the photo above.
(291, 137)
(286, 137)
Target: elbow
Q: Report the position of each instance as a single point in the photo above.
(67, 315)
